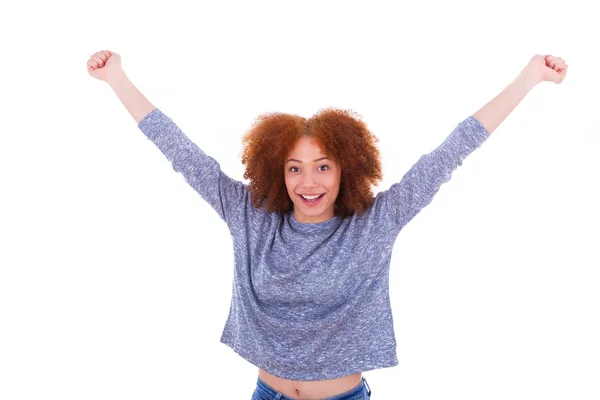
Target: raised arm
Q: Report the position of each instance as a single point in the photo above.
(106, 66)
(405, 199)
(540, 68)
(202, 172)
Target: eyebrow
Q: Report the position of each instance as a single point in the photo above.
(318, 159)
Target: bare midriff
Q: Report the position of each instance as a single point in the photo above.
(311, 390)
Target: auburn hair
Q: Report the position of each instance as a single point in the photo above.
(340, 134)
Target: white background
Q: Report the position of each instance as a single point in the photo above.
(115, 276)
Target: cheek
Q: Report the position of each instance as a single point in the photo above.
(289, 184)
(334, 182)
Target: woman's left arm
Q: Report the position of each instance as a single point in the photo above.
(540, 68)
(405, 199)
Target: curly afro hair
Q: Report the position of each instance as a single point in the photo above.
(341, 135)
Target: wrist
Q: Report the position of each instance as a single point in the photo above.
(117, 78)
(528, 78)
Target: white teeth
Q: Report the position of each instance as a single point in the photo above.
(310, 197)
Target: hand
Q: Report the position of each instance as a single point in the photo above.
(547, 68)
(104, 65)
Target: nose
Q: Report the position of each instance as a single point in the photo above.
(308, 180)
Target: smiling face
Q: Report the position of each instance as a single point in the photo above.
(309, 172)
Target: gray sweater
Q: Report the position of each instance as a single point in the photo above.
(311, 301)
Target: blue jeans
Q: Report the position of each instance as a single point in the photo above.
(266, 392)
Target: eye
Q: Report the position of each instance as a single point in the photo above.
(325, 165)
(291, 168)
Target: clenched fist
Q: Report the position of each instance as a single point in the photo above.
(104, 65)
(548, 68)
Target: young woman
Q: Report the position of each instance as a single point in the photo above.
(312, 245)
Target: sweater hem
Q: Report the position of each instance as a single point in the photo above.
(334, 369)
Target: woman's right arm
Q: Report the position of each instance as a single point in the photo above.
(202, 172)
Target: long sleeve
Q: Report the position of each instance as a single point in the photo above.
(423, 180)
(202, 172)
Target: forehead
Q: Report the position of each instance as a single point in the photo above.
(306, 146)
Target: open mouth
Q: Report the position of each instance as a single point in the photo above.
(311, 201)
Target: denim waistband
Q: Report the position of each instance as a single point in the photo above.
(353, 394)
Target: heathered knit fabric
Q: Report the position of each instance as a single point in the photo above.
(311, 301)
